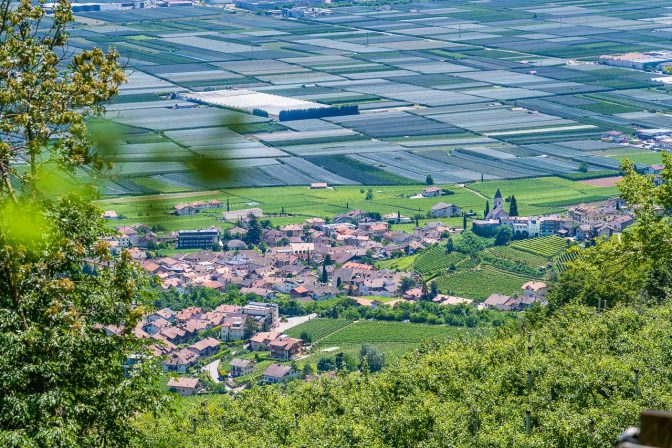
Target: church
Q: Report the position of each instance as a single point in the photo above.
(497, 211)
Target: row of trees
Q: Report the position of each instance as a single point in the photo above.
(318, 112)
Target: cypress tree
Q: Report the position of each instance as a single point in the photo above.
(513, 207)
(487, 208)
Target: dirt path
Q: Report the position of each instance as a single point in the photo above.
(187, 194)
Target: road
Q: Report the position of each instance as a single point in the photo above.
(212, 370)
(294, 321)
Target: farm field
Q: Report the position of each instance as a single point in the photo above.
(480, 282)
(394, 339)
(436, 259)
(546, 246)
(318, 328)
(552, 195)
(465, 92)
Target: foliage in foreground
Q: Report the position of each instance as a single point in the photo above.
(62, 379)
(467, 392)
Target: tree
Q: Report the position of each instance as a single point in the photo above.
(325, 276)
(468, 243)
(450, 246)
(503, 235)
(374, 358)
(634, 267)
(326, 365)
(513, 207)
(424, 295)
(406, 284)
(464, 221)
(228, 205)
(429, 180)
(434, 290)
(46, 101)
(253, 235)
(250, 328)
(307, 370)
(487, 208)
(369, 194)
(63, 379)
(306, 337)
(583, 167)
(327, 260)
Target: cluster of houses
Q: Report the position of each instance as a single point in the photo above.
(180, 341)
(532, 292)
(582, 222)
(351, 241)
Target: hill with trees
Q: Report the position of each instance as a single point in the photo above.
(571, 374)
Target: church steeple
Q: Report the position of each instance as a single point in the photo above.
(498, 199)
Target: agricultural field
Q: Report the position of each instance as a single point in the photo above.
(465, 91)
(394, 339)
(398, 264)
(554, 195)
(480, 282)
(435, 260)
(318, 328)
(545, 246)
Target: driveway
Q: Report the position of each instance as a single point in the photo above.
(294, 321)
(212, 370)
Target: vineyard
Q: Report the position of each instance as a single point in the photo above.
(393, 339)
(376, 331)
(436, 259)
(318, 328)
(398, 264)
(479, 283)
(546, 246)
(561, 262)
(518, 256)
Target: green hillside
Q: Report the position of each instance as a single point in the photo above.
(581, 365)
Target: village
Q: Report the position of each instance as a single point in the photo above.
(315, 261)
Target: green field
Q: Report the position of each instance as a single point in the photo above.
(331, 336)
(480, 282)
(519, 256)
(545, 246)
(534, 196)
(318, 328)
(435, 259)
(544, 195)
(398, 264)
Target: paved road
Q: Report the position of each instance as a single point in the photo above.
(294, 321)
(212, 370)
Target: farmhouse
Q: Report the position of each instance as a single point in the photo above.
(277, 373)
(184, 387)
(443, 210)
(236, 215)
(431, 192)
(240, 367)
(285, 348)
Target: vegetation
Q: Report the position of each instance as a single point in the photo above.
(63, 379)
(318, 112)
(461, 393)
(480, 282)
(64, 382)
(43, 107)
(435, 260)
(546, 246)
(635, 268)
